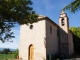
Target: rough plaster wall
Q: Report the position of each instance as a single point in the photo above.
(35, 36)
(51, 39)
(71, 49)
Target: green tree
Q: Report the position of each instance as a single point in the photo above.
(76, 39)
(14, 12)
(16, 53)
(0, 52)
(73, 6)
(6, 51)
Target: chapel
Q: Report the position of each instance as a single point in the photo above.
(44, 38)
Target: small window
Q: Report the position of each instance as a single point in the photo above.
(63, 22)
(31, 26)
(50, 29)
(57, 32)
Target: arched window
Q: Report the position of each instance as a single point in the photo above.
(31, 52)
(63, 23)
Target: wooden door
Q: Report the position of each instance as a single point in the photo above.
(31, 52)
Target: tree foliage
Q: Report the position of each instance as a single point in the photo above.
(5, 51)
(14, 12)
(73, 7)
(16, 53)
(76, 39)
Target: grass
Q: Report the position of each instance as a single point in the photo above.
(6, 56)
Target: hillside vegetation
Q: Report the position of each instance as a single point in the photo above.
(76, 39)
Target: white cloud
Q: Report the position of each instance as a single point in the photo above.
(13, 45)
(10, 45)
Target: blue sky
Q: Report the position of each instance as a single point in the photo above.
(51, 9)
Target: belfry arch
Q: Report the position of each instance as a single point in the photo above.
(31, 52)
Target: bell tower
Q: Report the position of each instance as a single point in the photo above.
(63, 22)
(64, 31)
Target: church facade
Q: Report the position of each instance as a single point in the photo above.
(38, 40)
